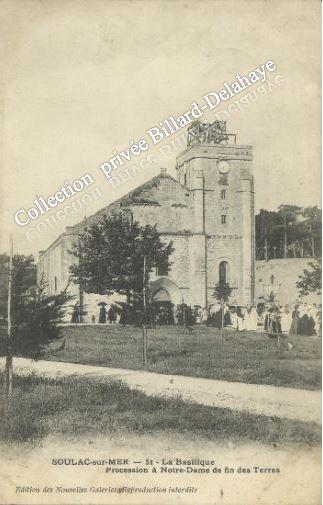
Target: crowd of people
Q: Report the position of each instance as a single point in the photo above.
(104, 316)
(271, 318)
(301, 319)
(237, 317)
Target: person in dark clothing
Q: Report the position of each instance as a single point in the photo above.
(311, 325)
(306, 323)
(76, 314)
(103, 314)
(303, 326)
(216, 314)
(274, 324)
(294, 329)
(227, 317)
(112, 314)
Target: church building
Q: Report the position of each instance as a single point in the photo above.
(207, 212)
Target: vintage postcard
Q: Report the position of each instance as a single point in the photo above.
(160, 261)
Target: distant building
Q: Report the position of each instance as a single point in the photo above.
(208, 214)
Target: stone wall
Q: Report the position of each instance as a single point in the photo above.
(280, 276)
(225, 248)
(53, 267)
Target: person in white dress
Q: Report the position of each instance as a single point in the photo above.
(240, 317)
(246, 312)
(234, 319)
(253, 319)
(286, 320)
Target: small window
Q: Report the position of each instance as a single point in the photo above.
(162, 269)
(223, 194)
(223, 219)
(223, 272)
(55, 281)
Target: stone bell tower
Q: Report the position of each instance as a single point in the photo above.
(218, 172)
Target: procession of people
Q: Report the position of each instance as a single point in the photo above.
(300, 319)
(239, 318)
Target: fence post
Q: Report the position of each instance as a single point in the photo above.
(144, 329)
(8, 366)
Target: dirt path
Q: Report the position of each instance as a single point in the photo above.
(271, 401)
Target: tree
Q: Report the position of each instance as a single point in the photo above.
(35, 315)
(113, 255)
(24, 281)
(292, 231)
(40, 324)
(311, 280)
(222, 291)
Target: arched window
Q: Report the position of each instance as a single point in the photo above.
(162, 269)
(223, 272)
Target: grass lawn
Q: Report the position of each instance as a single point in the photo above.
(242, 357)
(72, 408)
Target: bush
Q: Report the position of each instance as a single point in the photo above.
(185, 314)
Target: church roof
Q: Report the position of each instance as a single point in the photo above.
(159, 190)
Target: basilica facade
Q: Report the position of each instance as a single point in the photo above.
(207, 212)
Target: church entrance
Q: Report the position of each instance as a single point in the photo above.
(165, 296)
(162, 307)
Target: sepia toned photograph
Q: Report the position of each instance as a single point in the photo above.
(160, 253)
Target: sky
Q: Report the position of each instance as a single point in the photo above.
(81, 79)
